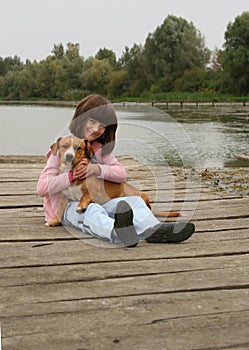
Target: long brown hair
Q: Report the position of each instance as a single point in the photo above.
(98, 108)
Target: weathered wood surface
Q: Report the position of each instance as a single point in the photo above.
(61, 292)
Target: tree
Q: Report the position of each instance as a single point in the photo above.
(174, 47)
(72, 51)
(235, 58)
(216, 60)
(58, 51)
(133, 62)
(96, 75)
(118, 84)
(192, 80)
(67, 79)
(7, 88)
(44, 78)
(10, 63)
(108, 55)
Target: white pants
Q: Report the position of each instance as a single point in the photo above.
(98, 220)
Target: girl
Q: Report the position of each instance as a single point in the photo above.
(121, 220)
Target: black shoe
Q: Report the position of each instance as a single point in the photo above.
(170, 232)
(123, 225)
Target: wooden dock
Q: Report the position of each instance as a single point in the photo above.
(60, 292)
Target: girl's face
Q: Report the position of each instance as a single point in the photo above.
(93, 129)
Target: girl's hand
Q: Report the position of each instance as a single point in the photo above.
(84, 169)
(93, 169)
(79, 172)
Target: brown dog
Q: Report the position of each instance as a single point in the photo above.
(92, 189)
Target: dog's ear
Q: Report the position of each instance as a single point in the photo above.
(89, 151)
(55, 146)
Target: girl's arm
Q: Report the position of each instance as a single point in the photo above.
(111, 169)
(50, 181)
(107, 167)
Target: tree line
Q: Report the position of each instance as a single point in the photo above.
(174, 58)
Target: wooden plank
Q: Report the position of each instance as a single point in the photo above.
(231, 207)
(174, 306)
(66, 273)
(14, 174)
(217, 230)
(22, 200)
(21, 160)
(21, 213)
(212, 320)
(91, 250)
(176, 196)
(239, 211)
(30, 226)
(84, 288)
(58, 291)
(219, 203)
(26, 200)
(18, 188)
(29, 187)
(207, 203)
(222, 225)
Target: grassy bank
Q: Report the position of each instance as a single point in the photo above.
(198, 97)
(185, 97)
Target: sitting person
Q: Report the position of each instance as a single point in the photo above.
(120, 220)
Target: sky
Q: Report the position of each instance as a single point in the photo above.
(30, 28)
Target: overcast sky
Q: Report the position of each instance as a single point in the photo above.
(30, 28)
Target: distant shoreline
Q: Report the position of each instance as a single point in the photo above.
(151, 103)
(39, 103)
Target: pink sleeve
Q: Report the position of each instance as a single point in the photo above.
(111, 168)
(50, 181)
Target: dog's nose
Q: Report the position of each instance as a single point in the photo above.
(68, 157)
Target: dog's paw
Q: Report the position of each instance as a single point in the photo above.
(80, 210)
(52, 223)
(174, 214)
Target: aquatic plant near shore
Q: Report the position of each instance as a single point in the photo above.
(230, 180)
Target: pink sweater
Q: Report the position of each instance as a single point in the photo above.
(51, 183)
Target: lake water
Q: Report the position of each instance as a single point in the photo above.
(198, 137)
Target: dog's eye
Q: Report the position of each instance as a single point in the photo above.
(78, 148)
(64, 146)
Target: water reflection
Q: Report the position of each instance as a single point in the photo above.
(200, 137)
(191, 137)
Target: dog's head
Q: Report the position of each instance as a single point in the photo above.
(85, 150)
(67, 147)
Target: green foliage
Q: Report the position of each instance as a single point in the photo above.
(173, 64)
(235, 58)
(10, 63)
(109, 55)
(174, 47)
(133, 62)
(189, 97)
(192, 80)
(73, 51)
(118, 83)
(58, 51)
(95, 75)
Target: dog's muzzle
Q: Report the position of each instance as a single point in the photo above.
(69, 157)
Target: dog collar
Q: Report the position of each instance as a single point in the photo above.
(92, 159)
